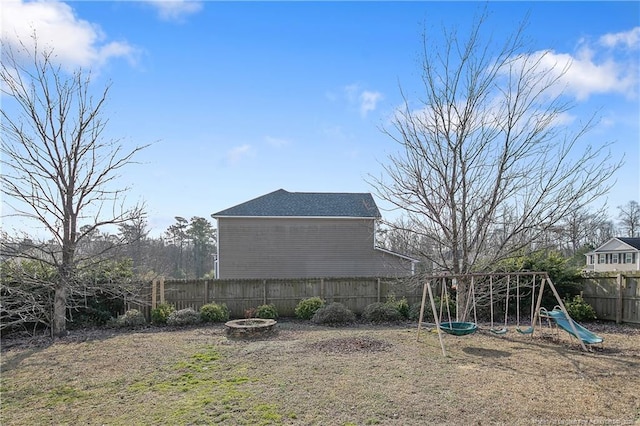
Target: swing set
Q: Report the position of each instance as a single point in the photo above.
(519, 329)
(493, 285)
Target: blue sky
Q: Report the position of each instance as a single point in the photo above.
(239, 99)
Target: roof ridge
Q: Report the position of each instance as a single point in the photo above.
(282, 203)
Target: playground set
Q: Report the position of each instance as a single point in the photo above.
(496, 291)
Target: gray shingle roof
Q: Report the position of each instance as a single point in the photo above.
(633, 242)
(306, 204)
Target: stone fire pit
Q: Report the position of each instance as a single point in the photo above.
(251, 327)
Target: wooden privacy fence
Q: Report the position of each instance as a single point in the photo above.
(241, 295)
(614, 297)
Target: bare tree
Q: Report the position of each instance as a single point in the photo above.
(57, 168)
(484, 165)
(578, 229)
(629, 217)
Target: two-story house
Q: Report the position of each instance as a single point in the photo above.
(304, 234)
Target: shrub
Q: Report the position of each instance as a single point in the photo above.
(88, 316)
(131, 318)
(97, 309)
(402, 306)
(307, 307)
(580, 310)
(266, 312)
(212, 312)
(160, 313)
(381, 312)
(333, 314)
(414, 312)
(185, 316)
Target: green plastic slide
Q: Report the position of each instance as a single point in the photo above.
(564, 323)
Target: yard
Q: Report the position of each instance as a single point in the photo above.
(312, 375)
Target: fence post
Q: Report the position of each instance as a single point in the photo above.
(162, 290)
(378, 290)
(206, 292)
(619, 300)
(154, 300)
(264, 292)
(321, 288)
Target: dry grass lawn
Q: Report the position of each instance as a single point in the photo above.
(312, 375)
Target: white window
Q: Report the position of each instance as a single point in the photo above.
(614, 258)
(590, 259)
(628, 258)
(602, 258)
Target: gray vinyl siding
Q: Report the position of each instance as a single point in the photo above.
(302, 247)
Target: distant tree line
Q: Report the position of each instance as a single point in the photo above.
(116, 270)
(186, 250)
(573, 236)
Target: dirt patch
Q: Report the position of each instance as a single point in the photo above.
(350, 345)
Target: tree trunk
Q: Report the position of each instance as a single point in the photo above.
(59, 322)
(462, 289)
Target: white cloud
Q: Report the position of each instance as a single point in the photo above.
(369, 101)
(627, 39)
(609, 66)
(276, 142)
(365, 100)
(238, 153)
(75, 42)
(586, 76)
(175, 10)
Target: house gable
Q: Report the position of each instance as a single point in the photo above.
(632, 242)
(619, 244)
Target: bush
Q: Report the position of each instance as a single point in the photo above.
(95, 310)
(414, 312)
(89, 316)
(580, 310)
(185, 316)
(381, 312)
(307, 307)
(160, 313)
(333, 314)
(212, 312)
(266, 312)
(402, 306)
(131, 318)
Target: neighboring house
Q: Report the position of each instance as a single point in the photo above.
(617, 254)
(304, 234)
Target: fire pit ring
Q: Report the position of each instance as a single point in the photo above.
(250, 327)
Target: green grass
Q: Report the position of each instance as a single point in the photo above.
(212, 391)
